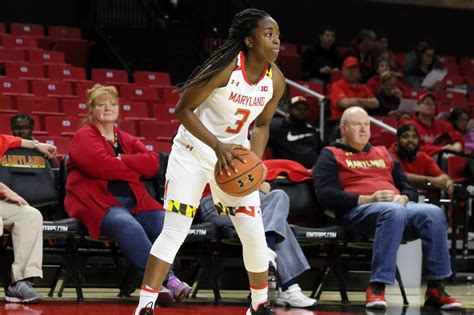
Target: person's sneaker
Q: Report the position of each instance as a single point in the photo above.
(294, 297)
(262, 309)
(22, 292)
(179, 288)
(437, 297)
(375, 297)
(272, 258)
(165, 297)
(147, 310)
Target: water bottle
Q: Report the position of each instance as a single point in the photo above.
(272, 285)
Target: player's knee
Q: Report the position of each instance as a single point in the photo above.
(168, 243)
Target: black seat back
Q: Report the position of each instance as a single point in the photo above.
(29, 174)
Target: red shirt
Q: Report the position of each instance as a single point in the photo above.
(93, 164)
(374, 84)
(365, 172)
(422, 165)
(7, 142)
(434, 137)
(342, 89)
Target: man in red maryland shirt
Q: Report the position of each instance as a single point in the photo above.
(372, 197)
(25, 224)
(435, 134)
(420, 168)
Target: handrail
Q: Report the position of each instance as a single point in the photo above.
(323, 101)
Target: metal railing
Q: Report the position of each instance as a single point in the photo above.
(324, 101)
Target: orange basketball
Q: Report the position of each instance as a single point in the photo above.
(248, 178)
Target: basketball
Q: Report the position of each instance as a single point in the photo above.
(248, 178)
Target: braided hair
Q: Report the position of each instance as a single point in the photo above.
(242, 26)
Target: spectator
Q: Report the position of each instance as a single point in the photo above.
(363, 49)
(346, 92)
(22, 126)
(420, 168)
(285, 254)
(374, 82)
(104, 188)
(371, 196)
(418, 64)
(382, 51)
(460, 119)
(388, 96)
(320, 60)
(25, 223)
(292, 138)
(435, 134)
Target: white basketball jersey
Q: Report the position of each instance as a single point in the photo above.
(229, 111)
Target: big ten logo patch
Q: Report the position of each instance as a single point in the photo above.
(23, 161)
(264, 88)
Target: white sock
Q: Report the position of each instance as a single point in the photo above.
(148, 298)
(259, 295)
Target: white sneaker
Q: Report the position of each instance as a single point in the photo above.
(294, 297)
(272, 258)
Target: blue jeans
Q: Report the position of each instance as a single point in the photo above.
(389, 223)
(134, 233)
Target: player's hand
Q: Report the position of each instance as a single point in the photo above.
(225, 155)
(48, 150)
(383, 196)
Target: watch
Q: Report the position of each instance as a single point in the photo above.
(36, 142)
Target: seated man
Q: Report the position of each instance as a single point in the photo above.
(22, 126)
(25, 224)
(291, 138)
(371, 196)
(285, 253)
(347, 92)
(420, 168)
(435, 134)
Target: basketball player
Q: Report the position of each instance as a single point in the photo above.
(237, 85)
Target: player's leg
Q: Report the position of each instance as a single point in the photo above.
(186, 179)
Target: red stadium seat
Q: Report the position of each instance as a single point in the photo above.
(11, 41)
(66, 72)
(411, 93)
(62, 126)
(109, 76)
(5, 124)
(61, 143)
(451, 96)
(26, 29)
(38, 105)
(76, 50)
(456, 166)
(52, 88)
(60, 32)
(46, 57)
(158, 146)
(152, 78)
(82, 87)
(451, 80)
(75, 108)
(142, 93)
(14, 87)
(24, 70)
(133, 109)
(168, 94)
(6, 104)
(290, 66)
(128, 126)
(164, 112)
(448, 60)
(287, 49)
(158, 130)
(12, 54)
(383, 138)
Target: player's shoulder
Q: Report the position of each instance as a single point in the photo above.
(276, 75)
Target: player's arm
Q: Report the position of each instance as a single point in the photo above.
(260, 131)
(191, 99)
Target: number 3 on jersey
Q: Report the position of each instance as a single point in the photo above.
(245, 113)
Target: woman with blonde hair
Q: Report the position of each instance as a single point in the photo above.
(104, 188)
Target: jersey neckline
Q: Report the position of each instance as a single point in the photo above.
(242, 68)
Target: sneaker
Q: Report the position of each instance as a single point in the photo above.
(272, 258)
(22, 292)
(294, 297)
(375, 297)
(437, 297)
(165, 297)
(179, 288)
(147, 310)
(262, 309)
